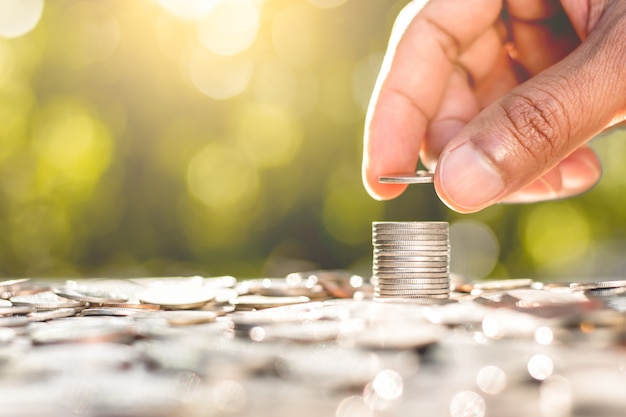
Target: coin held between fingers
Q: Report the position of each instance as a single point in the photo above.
(419, 177)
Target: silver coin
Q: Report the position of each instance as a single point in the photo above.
(177, 297)
(411, 231)
(400, 225)
(502, 284)
(413, 250)
(415, 245)
(605, 292)
(424, 270)
(408, 281)
(392, 284)
(413, 265)
(443, 275)
(90, 296)
(5, 303)
(378, 243)
(14, 310)
(411, 239)
(396, 336)
(131, 306)
(409, 236)
(408, 233)
(407, 256)
(422, 300)
(409, 260)
(409, 292)
(415, 296)
(110, 312)
(417, 291)
(218, 308)
(13, 284)
(51, 314)
(401, 255)
(413, 275)
(14, 321)
(440, 282)
(7, 335)
(598, 284)
(262, 301)
(428, 229)
(90, 330)
(46, 300)
(413, 287)
(418, 281)
(418, 177)
(412, 290)
(185, 317)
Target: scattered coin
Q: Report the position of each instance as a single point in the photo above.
(14, 321)
(111, 311)
(13, 284)
(14, 310)
(185, 317)
(46, 300)
(605, 292)
(51, 314)
(599, 284)
(177, 297)
(397, 336)
(90, 296)
(92, 364)
(503, 284)
(130, 306)
(259, 301)
(87, 330)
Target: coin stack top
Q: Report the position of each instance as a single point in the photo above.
(411, 259)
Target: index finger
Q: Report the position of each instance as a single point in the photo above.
(413, 78)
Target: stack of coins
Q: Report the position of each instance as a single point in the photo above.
(411, 259)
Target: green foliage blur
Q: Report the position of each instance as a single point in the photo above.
(216, 137)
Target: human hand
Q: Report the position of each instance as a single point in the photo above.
(501, 103)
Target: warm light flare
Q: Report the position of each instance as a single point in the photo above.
(18, 17)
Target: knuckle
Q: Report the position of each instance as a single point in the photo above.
(537, 122)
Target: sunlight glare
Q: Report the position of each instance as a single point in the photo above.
(230, 28)
(18, 17)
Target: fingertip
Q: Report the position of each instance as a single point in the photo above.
(379, 191)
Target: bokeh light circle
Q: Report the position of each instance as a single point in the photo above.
(188, 9)
(474, 249)
(467, 404)
(18, 17)
(220, 177)
(231, 27)
(327, 4)
(220, 78)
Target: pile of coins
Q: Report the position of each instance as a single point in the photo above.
(309, 344)
(411, 259)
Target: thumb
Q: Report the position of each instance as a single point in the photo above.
(522, 138)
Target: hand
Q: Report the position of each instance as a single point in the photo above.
(500, 98)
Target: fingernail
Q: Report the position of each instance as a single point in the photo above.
(468, 179)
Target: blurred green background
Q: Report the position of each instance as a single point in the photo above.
(216, 137)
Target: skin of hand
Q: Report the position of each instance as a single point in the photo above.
(499, 98)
